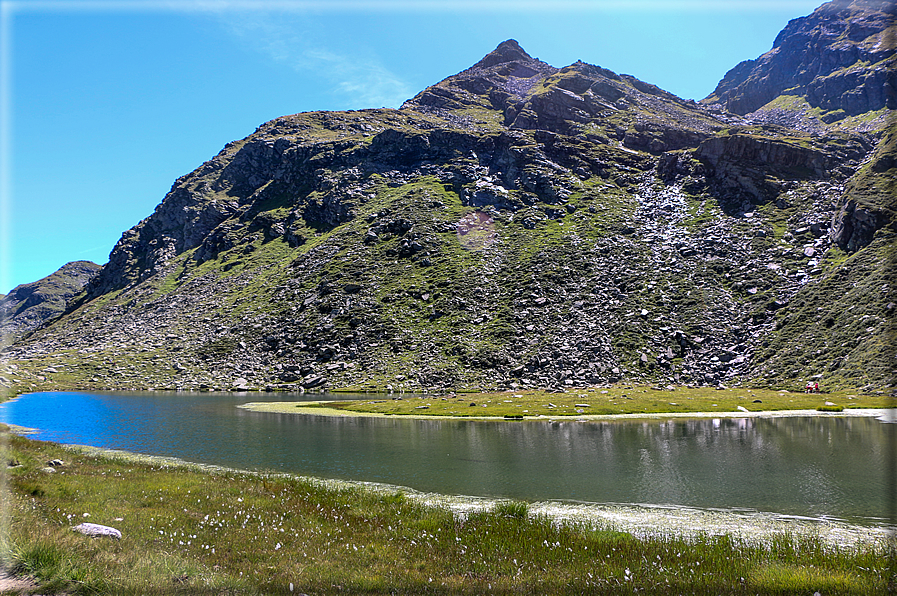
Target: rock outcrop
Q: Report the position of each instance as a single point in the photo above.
(840, 58)
(870, 202)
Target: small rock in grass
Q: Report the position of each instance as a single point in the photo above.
(55, 463)
(97, 530)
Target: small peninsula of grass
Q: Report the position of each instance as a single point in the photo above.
(586, 403)
(187, 530)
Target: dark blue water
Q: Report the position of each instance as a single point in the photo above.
(833, 467)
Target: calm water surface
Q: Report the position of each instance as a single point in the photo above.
(815, 467)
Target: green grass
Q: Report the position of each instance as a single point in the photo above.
(840, 326)
(619, 399)
(830, 408)
(193, 531)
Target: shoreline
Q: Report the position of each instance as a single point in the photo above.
(313, 409)
(642, 520)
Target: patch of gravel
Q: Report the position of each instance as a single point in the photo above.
(10, 583)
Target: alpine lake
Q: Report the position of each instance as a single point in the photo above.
(814, 469)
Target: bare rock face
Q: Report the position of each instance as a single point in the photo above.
(508, 51)
(840, 58)
(748, 163)
(502, 78)
(854, 227)
(742, 148)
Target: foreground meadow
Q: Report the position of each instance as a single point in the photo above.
(194, 531)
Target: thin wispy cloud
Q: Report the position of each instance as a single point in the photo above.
(359, 81)
(366, 81)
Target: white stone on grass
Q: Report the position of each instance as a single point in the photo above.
(97, 530)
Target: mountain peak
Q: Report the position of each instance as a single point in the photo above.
(507, 51)
(507, 70)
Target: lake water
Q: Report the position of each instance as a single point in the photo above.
(816, 467)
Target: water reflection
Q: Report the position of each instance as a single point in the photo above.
(800, 466)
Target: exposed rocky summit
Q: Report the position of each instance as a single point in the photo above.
(30, 305)
(514, 225)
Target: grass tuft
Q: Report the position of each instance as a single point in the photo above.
(513, 509)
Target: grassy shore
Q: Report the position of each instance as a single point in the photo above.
(195, 531)
(585, 403)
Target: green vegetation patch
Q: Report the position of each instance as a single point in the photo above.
(841, 326)
(620, 399)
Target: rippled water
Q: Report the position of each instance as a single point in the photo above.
(819, 467)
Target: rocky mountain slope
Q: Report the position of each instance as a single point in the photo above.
(515, 225)
(30, 305)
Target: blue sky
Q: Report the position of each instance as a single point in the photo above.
(106, 102)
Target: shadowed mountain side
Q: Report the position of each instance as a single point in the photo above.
(28, 306)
